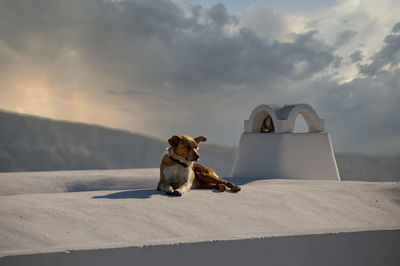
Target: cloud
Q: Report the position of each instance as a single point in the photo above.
(274, 24)
(388, 56)
(364, 108)
(356, 56)
(154, 45)
(396, 28)
(344, 37)
(159, 68)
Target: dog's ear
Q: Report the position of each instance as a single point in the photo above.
(200, 139)
(174, 140)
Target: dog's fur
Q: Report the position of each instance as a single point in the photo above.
(179, 170)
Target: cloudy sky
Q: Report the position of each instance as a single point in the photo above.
(192, 67)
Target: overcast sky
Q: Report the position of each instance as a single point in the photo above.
(200, 67)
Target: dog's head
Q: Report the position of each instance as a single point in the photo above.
(186, 146)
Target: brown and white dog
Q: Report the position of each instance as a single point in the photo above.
(179, 171)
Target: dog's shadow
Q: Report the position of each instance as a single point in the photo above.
(148, 193)
(132, 194)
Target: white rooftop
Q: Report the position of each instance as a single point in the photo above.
(40, 212)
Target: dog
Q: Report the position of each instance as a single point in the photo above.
(180, 172)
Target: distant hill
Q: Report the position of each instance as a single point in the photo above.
(368, 168)
(29, 143)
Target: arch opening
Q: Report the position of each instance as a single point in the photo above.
(300, 125)
(267, 125)
(263, 123)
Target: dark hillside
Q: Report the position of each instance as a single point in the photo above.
(29, 143)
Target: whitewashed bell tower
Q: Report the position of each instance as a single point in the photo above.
(269, 148)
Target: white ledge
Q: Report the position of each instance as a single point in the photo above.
(54, 220)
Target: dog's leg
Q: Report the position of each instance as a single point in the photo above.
(207, 176)
(165, 187)
(232, 187)
(220, 187)
(211, 181)
(184, 189)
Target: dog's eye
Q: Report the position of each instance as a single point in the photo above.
(188, 147)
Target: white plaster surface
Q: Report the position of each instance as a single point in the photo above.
(290, 156)
(369, 248)
(52, 220)
(72, 181)
(283, 153)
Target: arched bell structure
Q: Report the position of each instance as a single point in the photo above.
(269, 147)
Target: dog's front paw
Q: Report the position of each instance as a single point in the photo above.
(177, 193)
(235, 189)
(170, 191)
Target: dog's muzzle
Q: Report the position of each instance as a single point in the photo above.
(196, 156)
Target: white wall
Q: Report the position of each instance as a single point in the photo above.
(356, 248)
